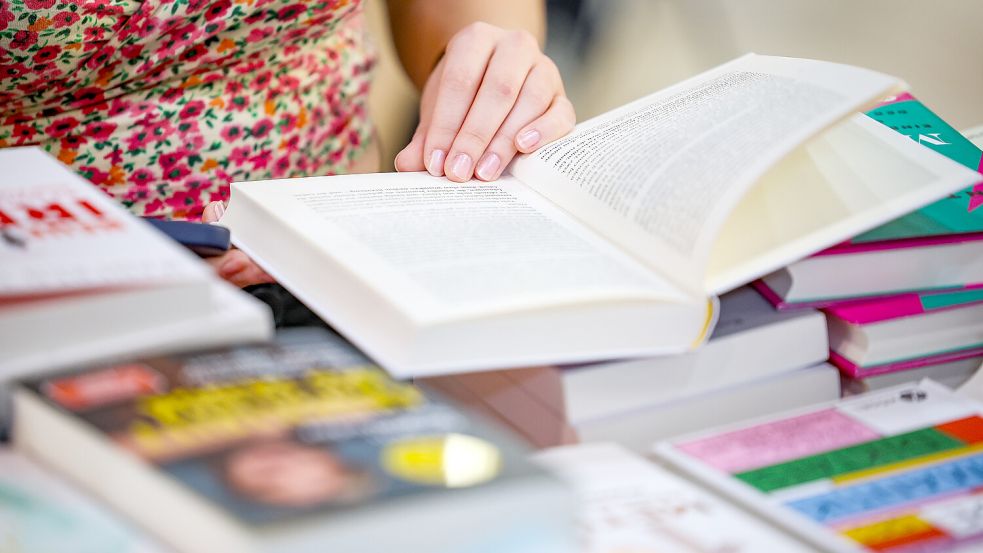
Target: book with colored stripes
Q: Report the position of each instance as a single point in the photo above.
(937, 246)
(896, 470)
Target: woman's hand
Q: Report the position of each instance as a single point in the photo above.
(234, 266)
(493, 94)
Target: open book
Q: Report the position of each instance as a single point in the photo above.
(610, 242)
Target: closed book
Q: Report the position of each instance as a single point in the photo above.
(81, 279)
(906, 331)
(948, 373)
(899, 469)
(937, 246)
(751, 340)
(636, 428)
(300, 446)
(628, 504)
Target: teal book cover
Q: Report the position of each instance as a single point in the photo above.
(958, 214)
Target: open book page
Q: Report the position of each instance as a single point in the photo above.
(848, 179)
(659, 176)
(442, 251)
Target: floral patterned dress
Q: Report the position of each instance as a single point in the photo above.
(162, 103)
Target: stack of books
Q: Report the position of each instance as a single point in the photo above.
(907, 295)
(758, 360)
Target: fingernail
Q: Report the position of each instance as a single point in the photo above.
(462, 166)
(488, 166)
(218, 209)
(529, 139)
(436, 166)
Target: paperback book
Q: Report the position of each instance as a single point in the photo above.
(628, 504)
(906, 331)
(937, 246)
(81, 279)
(301, 446)
(899, 469)
(751, 340)
(609, 243)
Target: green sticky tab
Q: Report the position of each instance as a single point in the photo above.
(863, 456)
(951, 299)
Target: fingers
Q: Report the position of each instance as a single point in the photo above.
(554, 124)
(492, 95)
(541, 91)
(465, 62)
(507, 69)
(237, 268)
(213, 212)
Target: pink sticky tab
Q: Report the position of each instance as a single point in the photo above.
(779, 441)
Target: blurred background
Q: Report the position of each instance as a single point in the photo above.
(613, 51)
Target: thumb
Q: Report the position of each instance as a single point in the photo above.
(213, 212)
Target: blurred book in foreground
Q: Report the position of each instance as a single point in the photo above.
(41, 513)
(81, 279)
(302, 446)
(628, 504)
(937, 246)
(900, 469)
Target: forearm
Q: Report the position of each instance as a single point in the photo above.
(422, 28)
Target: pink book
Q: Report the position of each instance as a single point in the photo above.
(905, 331)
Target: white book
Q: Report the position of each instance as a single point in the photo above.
(751, 340)
(628, 504)
(40, 513)
(608, 243)
(899, 469)
(636, 428)
(82, 280)
(775, 393)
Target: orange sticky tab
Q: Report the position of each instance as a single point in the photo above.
(968, 430)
